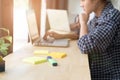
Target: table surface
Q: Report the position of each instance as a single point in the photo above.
(74, 66)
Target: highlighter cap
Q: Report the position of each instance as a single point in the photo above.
(49, 57)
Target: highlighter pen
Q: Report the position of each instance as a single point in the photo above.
(52, 61)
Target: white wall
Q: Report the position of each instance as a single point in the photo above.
(116, 3)
(73, 9)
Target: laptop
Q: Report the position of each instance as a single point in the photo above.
(35, 37)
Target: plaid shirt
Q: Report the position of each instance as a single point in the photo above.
(102, 44)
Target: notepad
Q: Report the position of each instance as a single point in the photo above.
(35, 60)
(57, 54)
(41, 52)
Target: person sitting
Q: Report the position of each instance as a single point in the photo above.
(100, 39)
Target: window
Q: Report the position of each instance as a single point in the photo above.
(20, 24)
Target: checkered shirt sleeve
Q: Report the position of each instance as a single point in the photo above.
(102, 44)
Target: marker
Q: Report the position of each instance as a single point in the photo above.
(52, 61)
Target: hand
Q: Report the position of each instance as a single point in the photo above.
(74, 26)
(83, 17)
(52, 34)
(83, 22)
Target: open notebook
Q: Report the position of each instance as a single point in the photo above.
(35, 37)
(58, 21)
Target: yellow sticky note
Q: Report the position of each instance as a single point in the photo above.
(57, 54)
(35, 60)
(39, 52)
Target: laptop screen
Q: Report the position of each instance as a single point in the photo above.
(58, 20)
(32, 25)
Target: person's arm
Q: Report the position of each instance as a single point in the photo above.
(55, 35)
(73, 35)
(83, 23)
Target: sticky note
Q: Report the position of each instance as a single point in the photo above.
(35, 60)
(57, 54)
(41, 52)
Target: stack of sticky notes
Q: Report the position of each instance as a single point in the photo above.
(35, 60)
(57, 54)
(41, 52)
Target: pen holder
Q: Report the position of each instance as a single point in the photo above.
(2, 66)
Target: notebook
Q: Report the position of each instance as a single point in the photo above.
(35, 37)
(58, 21)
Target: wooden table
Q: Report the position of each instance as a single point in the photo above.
(74, 66)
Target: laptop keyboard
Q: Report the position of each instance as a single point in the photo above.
(43, 42)
(56, 43)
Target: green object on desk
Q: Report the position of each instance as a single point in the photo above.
(52, 61)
